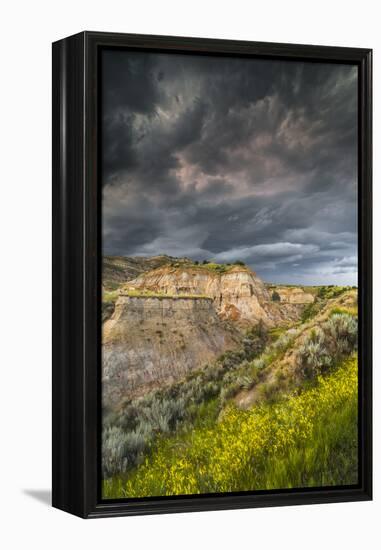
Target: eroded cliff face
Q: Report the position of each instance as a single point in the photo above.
(294, 295)
(150, 341)
(238, 295)
(289, 305)
(173, 319)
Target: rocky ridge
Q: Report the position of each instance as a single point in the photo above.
(238, 294)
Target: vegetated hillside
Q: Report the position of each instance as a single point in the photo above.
(315, 335)
(280, 411)
(309, 440)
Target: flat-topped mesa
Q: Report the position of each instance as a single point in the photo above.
(237, 293)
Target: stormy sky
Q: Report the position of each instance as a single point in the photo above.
(232, 159)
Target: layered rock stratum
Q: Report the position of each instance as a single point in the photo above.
(172, 316)
(154, 340)
(238, 294)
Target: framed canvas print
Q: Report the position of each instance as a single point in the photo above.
(211, 274)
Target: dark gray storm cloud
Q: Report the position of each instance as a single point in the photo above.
(227, 159)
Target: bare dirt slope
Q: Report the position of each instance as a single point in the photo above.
(151, 341)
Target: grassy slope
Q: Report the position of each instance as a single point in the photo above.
(207, 456)
(306, 440)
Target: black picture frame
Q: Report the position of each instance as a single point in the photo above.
(76, 274)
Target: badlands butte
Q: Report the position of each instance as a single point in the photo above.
(164, 317)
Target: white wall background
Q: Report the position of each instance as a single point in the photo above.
(27, 29)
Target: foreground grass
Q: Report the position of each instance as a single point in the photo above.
(307, 440)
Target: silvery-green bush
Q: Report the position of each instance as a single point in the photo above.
(313, 355)
(343, 329)
(324, 346)
(114, 448)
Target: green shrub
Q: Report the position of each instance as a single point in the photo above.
(163, 415)
(113, 451)
(310, 310)
(259, 364)
(323, 347)
(210, 390)
(283, 342)
(248, 381)
(121, 450)
(313, 356)
(343, 329)
(330, 291)
(280, 376)
(268, 392)
(227, 392)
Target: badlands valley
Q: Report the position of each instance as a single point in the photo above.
(216, 381)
